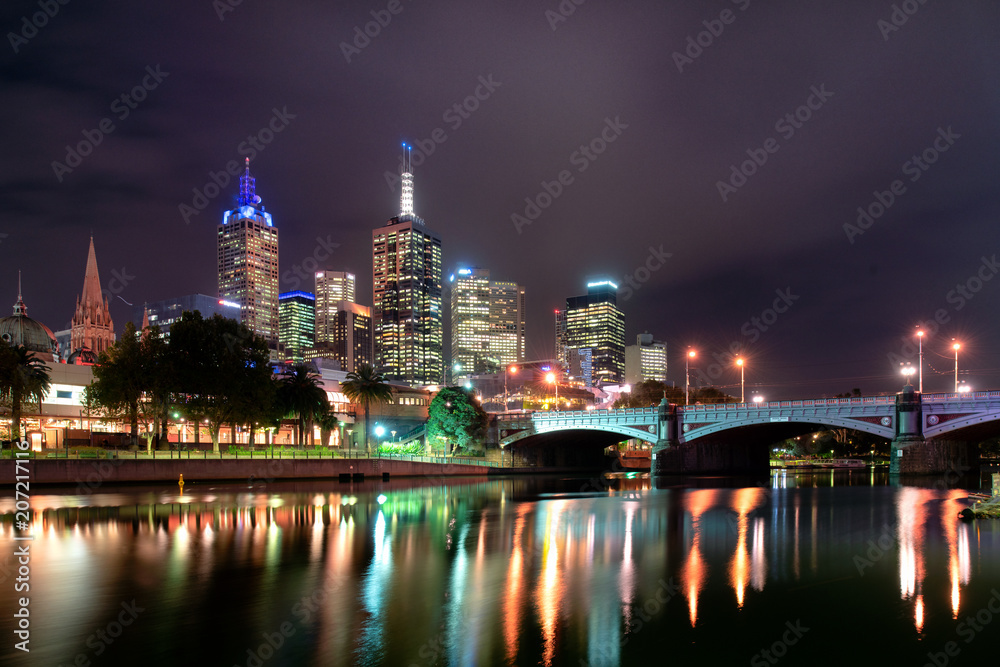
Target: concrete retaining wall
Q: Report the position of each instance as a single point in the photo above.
(112, 471)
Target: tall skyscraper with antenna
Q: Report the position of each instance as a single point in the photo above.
(248, 261)
(406, 275)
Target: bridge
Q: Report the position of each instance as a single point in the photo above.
(930, 433)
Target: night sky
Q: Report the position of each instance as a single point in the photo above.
(865, 96)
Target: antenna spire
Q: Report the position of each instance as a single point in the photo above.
(406, 195)
(248, 188)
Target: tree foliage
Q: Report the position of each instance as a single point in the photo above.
(649, 393)
(458, 419)
(365, 386)
(24, 379)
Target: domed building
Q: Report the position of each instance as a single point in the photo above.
(19, 329)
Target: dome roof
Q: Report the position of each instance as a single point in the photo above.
(83, 356)
(19, 329)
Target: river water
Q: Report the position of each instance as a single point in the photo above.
(822, 568)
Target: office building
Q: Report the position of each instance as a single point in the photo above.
(347, 337)
(594, 321)
(487, 323)
(332, 288)
(646, 360)
(248, 261)
(296, 323)
(406, 312)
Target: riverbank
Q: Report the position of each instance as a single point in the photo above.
(89, 474)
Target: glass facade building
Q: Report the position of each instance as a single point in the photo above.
(296, 323)
(594, 321)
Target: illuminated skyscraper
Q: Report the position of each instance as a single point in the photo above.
(248, 261)
(332, 287)
(594, 321)
(347, 337)
(487, 323)
(561, 338)
(406, 313)
(297, 323)
(646, 360)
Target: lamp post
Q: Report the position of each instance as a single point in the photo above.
(907, 371)
(551, 377)
(508, 370)
(687, 374)
(739, 362)
(920, 373)
(956, 347)
(379, 432)
(758, 399)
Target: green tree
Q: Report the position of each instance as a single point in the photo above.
(120, 380)
(24, 379)
(214, 360)
(327, 425)
(300, 392)
(648, 394)
(456, 417)
(365, 386)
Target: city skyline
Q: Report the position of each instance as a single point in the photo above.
(806, 186)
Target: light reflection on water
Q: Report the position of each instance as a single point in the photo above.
(512, 571)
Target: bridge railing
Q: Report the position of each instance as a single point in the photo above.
(770, 405)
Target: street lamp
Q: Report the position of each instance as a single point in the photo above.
(964, 388)
(551, 377)
(907, 372)
(739, 362)
(920, 381)
(956, 347)
(508, 370)
(379, 432)
(758, 399)
(687, 374)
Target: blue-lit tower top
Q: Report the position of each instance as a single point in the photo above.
(249, 202)
(248, 187)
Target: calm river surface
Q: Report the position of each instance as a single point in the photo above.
(813, 568)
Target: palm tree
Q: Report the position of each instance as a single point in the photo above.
(327, 425)
(365, 385)
(301, 392)
(23, 378)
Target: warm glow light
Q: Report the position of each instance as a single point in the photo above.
(956, 347)
(550, 377)
(739, 362)
(692, 354)
(920, 334)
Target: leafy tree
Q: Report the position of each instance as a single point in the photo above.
(214, 361)
(365, 386)
(648, 394)
(300, 392)
(120, 379)
(24, 378)
(327, 425)
(456, 417)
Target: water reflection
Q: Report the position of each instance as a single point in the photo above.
(493, 571)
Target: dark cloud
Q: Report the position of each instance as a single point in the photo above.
(656, 184)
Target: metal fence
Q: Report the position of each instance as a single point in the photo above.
(253, 455)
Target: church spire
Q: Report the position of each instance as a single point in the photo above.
(406, 194)
(91, 293)
(19, 307)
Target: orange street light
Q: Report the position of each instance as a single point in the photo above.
(739, 362)
(687, 374)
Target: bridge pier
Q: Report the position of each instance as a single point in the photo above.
(909, 438)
